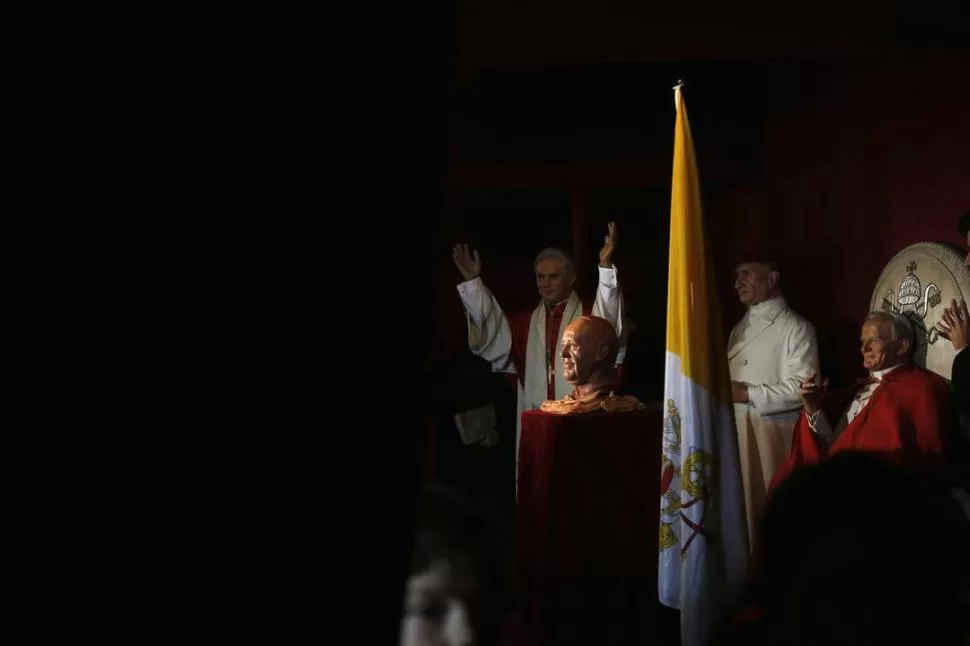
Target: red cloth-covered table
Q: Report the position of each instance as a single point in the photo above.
(587, 527)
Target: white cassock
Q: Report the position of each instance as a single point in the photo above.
(772, 348)
(490, 337)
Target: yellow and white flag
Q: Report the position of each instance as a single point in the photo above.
(703, 536)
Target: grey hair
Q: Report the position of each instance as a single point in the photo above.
(555, 253)
(901, 325)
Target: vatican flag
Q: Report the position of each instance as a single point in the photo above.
(703, 536)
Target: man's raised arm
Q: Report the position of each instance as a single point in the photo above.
(489, 334)
(608, 303)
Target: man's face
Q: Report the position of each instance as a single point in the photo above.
(754, 282)
(879, 350)
(440, 609)
(579, 354)
(553, 281)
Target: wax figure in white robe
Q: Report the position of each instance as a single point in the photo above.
(770, 351)
(511, 343)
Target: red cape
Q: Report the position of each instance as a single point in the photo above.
(910, 418)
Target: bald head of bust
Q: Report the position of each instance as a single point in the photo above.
(589, 351)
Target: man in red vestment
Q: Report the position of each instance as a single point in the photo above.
(529, 344)
(902, 411)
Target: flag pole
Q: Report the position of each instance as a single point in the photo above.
(703, 544)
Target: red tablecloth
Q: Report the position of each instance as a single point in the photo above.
(587, 525)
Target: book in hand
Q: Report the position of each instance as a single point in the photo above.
(476, 423)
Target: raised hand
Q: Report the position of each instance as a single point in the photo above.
(468, 263)
(954, 324)
(813, 391)
(609, 246)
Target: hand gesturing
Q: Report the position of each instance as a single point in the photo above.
(954, 324)
(468, 263)
(609, 246)
(813, 392)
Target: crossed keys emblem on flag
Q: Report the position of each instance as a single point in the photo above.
(692, 477)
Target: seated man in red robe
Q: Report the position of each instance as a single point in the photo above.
(902, 411)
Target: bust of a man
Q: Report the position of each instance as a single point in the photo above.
(589, 349)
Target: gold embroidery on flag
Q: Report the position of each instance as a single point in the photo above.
(670, 474)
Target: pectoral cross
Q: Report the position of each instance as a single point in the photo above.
(550, 366)
(550, 375)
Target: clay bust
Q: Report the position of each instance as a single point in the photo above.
(589, 349)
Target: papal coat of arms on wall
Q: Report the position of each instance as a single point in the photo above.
(911, 301)
(919, 283)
